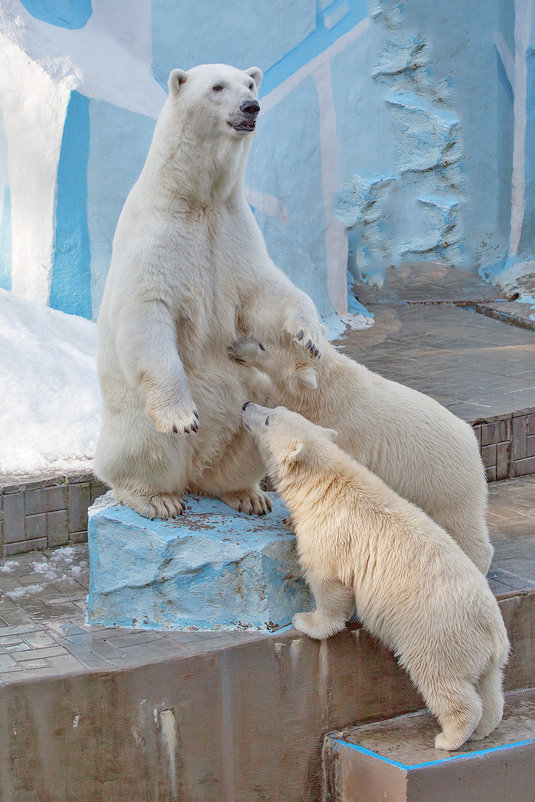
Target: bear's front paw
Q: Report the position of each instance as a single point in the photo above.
(317, 627)
(247, 351)
(175, 419)
(308, 624)
(306, 334)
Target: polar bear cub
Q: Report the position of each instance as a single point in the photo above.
(417, 446)
(414, 588)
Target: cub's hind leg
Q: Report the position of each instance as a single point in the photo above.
(490, 688)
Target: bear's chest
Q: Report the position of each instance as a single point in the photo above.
(206, 284)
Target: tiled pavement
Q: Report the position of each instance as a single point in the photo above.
(42, 602)
(476, 366)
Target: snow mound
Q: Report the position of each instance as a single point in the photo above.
(49, 397)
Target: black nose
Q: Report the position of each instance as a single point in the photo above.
(251, 107)
(245, 405)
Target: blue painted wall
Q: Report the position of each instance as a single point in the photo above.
(70, 14)
(71, 275)
(118, 145)
(396, 120)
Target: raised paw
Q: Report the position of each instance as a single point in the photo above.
(307, 335)
(175, 419)
(251, 501)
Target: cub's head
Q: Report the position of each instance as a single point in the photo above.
(216, 99)
(286, 364)
(286, 439)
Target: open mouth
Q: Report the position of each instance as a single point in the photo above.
(244, 125)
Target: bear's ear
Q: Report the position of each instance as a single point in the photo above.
(176, 79)
(307, 376)
(256, 74)
(295, 453)
(332, 434)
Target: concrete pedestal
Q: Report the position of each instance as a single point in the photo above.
(212, 568)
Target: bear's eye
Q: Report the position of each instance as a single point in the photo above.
(217, 88)
(267, 421)
(251, 87)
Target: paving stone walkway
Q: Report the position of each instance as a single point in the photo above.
(476, 366)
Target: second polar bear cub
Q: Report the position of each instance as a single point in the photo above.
(414, 588)
(418, 447)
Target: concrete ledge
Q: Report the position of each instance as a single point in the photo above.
(219, 717)
(396, 760)
(212, 568)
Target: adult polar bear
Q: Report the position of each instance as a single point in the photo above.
(189, 273)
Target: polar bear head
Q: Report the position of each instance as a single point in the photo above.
(214, 100)
(286, 439)
(286, 363)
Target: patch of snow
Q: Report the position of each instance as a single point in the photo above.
(76, 570)
(67, 554)
(11, 565)
(45, 569)
(49, 397)
(26, 590)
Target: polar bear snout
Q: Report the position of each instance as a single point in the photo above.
(255, 418)
(250, 108)
(248, 112)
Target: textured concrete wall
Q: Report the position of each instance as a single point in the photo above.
(389, 131)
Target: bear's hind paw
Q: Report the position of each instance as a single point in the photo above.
(151, 505)
(252, 501)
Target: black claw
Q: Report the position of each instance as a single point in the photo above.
(262, 347)
(175, 430)
(195, 427)
(196, 414)
(186, 430)
(309, 345)
(301, 334)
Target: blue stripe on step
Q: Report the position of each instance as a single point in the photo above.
(462, 756)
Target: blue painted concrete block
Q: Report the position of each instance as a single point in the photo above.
(212, 568)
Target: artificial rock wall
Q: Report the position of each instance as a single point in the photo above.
(390, 131)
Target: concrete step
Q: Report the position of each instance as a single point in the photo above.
(394, 761)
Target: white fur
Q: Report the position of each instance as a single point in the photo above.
(414, 588)
(419, 448)
(189, 272)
